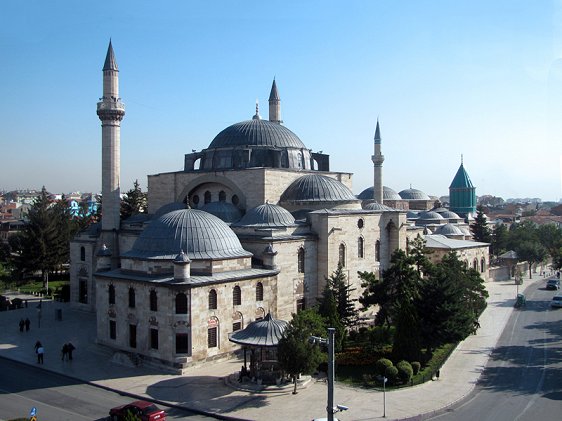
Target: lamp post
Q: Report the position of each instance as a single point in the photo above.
(331, 372)
(384, 379)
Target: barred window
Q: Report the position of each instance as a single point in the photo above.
(259, 291)
(132, 297)
(181, 303)
(153, 301)
(378, 251)
(212, 337)
(342, 255)
(360, 249)
(236, 326)
(236, 296)
(111, 294)
(301, 260)
(212, 299)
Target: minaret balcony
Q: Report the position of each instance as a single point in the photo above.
(111, 105)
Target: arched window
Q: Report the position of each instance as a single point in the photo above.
(207, 197)
(153, 301)
(482, 265)
(181, 303)
(235, 200)
(236, 296)
(360, 247)
(222, 196)
(212, 299)
(259, 291)
(341, 259)
(378, 251)
(475, 264)
(82, 254)
(111, 294)
(301, 260)
(195, 200)
(132, 297)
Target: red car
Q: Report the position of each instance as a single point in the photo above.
(142, 410)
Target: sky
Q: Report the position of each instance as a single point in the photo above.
(479, 79)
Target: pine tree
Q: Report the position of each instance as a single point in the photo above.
(328, 309)
(134, 202)
(480, 230)
(338, 284)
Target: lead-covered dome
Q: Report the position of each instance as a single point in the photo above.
(413, 194)
(267, 215)
(199, 234)
(257, 132)
(387, 194)
(316, 188)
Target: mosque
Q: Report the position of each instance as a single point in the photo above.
(252, 225)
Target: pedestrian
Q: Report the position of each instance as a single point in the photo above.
(22, 324)
(64, 351)
(25, 303)
(70, 348)
(40, 352)
(27, 323)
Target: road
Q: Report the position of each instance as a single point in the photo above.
(59, 398)
(523, 378)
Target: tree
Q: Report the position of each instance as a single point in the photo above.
(524, 239)
(531, 252)
(296, 352)
(328, 309)
(134, 202)
(550, 237)
(338, 285)
(480, 230)
(499, 240)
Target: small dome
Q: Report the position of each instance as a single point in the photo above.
(199, 234)
(465, 230)
(411, 214)
(267, 215)
(169, 208)
(449, 229)
(440, 210)
(413, 194)
(377, 207)
(389, 194)
(449, 215)
(226, 211)
(317, 188)
(429, 215)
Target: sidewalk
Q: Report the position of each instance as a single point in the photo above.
(204, 389)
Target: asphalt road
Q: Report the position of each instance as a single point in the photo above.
(523, 378)
(59, 398)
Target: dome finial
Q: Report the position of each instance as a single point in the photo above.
(461, 159)
(257, 116)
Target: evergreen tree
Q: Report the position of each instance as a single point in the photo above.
(337, 283)
(480, 230)
(550, 237)
(134, 202)
(296, 353)
(328, 309)
(499, 240)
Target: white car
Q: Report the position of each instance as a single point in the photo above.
(556, 301)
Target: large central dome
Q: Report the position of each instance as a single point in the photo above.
(257, 132)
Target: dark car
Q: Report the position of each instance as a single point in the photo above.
(553, 284)
(142, 410)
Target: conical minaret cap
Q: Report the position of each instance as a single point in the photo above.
(378, 133)
(274, 95)
(110, 62)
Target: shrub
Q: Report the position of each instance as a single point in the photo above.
(392, 374)
(405, 371)
(382, 366)
(416, 366)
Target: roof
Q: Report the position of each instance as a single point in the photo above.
(413, 194)
(377, 207)
(461, 180)
(226, 211)
(387, 194)
(265, 332)
(441, 242)
(110, 62)
(267, 215)
(378, 133)
(273, 95)
(317, 188)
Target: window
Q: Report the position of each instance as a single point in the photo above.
(341, 259)
(360, 223)
(259, 291)
(181, 303)
(301, 260)
(482, 265)
(236, 296)
(195, 200)
(301, 304)
(154, 338)
(235, 200)
(475, 264)
(111, 294)
(133, 336)
(360, 250)
(112, 329)
(132, 297)
(181, 343)
(236, 326)
(82, 254)
(212, 299)
(207, 197)
(153, 301)
(212, 337)
(378, 251)
(222, 196)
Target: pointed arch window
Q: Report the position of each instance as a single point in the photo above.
(341, 259)
(378, 251)
(301, 260)
(131, 297)
(222, 196)
(212, 299)
(482, 265)
(153, 301)
(181, 303)
(475, 264)
(259, 291)
(207, 197)
(236, 296)
(111, 294)
(360, 247)
(82, 254)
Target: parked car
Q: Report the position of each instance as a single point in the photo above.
(144, 411)
(556, 301)
(553, 284)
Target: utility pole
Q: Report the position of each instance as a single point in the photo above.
(331, 372)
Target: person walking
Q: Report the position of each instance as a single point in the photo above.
(40, 352)
(64, 351)
(22, 324)
(27, 323)
(69, 349)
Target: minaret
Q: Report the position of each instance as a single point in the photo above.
(110, 111)
(274, 105)
(378, 159)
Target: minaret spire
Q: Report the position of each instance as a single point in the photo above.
(274, 105)
(378, 159)
(111, 111)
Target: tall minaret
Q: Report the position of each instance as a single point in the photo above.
(110, 111)
(378, 159)
(274, 105)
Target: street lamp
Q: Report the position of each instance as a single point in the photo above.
(384, 379)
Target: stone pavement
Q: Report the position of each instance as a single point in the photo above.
(205, 389)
